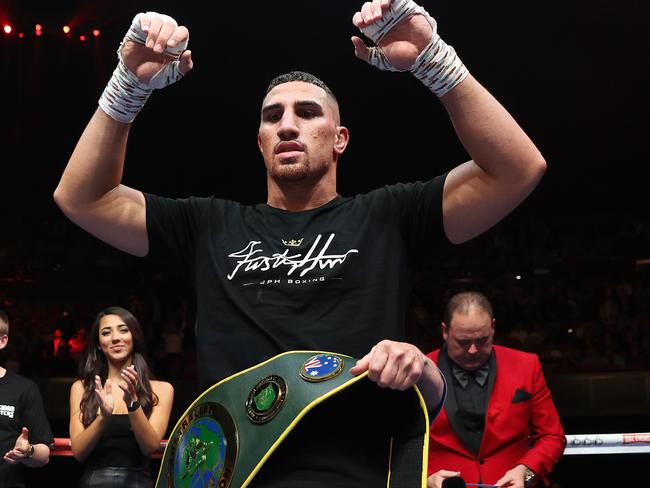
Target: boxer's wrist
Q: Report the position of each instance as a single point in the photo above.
(124, 95)
(438, 67)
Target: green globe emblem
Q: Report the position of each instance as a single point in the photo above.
(194, 456)
(201, 458)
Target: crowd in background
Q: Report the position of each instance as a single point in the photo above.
(576, 291)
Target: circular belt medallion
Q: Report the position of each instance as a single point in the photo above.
(204, 448)
(321, 367)
(266, 399)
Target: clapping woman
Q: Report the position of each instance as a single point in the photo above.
(118, 414)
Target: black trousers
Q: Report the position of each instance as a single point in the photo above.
(114, 477)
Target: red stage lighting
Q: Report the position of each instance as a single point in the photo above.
(7, 29)
(21, 35)
(82, 38)
(96, 32)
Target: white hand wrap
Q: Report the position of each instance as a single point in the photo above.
(125, 94)
(437, 66)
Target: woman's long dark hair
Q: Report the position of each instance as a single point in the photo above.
(93, 362)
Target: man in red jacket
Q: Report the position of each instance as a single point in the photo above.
(499, 424)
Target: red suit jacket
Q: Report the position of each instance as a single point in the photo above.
(521, 425)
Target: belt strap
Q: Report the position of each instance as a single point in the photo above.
(231, 429)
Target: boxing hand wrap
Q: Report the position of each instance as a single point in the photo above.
(125, 93)
(437, 66)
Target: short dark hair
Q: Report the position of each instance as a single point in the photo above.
(4, 323)
(461, 302)
(299, 76)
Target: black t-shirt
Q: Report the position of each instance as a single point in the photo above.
(343, 442)
(334, 278)
(21, 406)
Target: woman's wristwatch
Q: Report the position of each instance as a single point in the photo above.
(133, 405)
(30, 451)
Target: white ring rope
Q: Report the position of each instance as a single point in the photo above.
(576, 444)
(607, 443)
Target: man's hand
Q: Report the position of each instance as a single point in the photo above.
(402, 44)
(21, 449)
(162, 33)
(436, 479)
(513, 478)
(390, 364)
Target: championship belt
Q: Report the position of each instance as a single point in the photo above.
(232, 429)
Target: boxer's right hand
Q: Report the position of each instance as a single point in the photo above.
(152, 55)
(163, 37)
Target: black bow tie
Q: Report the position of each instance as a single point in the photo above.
(480, 375)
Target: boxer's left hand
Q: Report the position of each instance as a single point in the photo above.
(402, 44)
(391, 364)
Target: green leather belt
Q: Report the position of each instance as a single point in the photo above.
(231, 430)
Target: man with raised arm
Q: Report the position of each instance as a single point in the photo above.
(308, 269)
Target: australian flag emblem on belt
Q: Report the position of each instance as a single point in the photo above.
(321, 367)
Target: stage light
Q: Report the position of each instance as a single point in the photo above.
(21, 35)
(82, 38)
(66, 29)
(96, 32)
(7, 29)
(38, 30)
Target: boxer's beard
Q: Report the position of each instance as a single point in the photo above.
(290, 171)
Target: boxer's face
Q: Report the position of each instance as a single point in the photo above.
(299, 134)
(469, 337)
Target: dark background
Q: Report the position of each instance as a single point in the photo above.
(574, 74)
